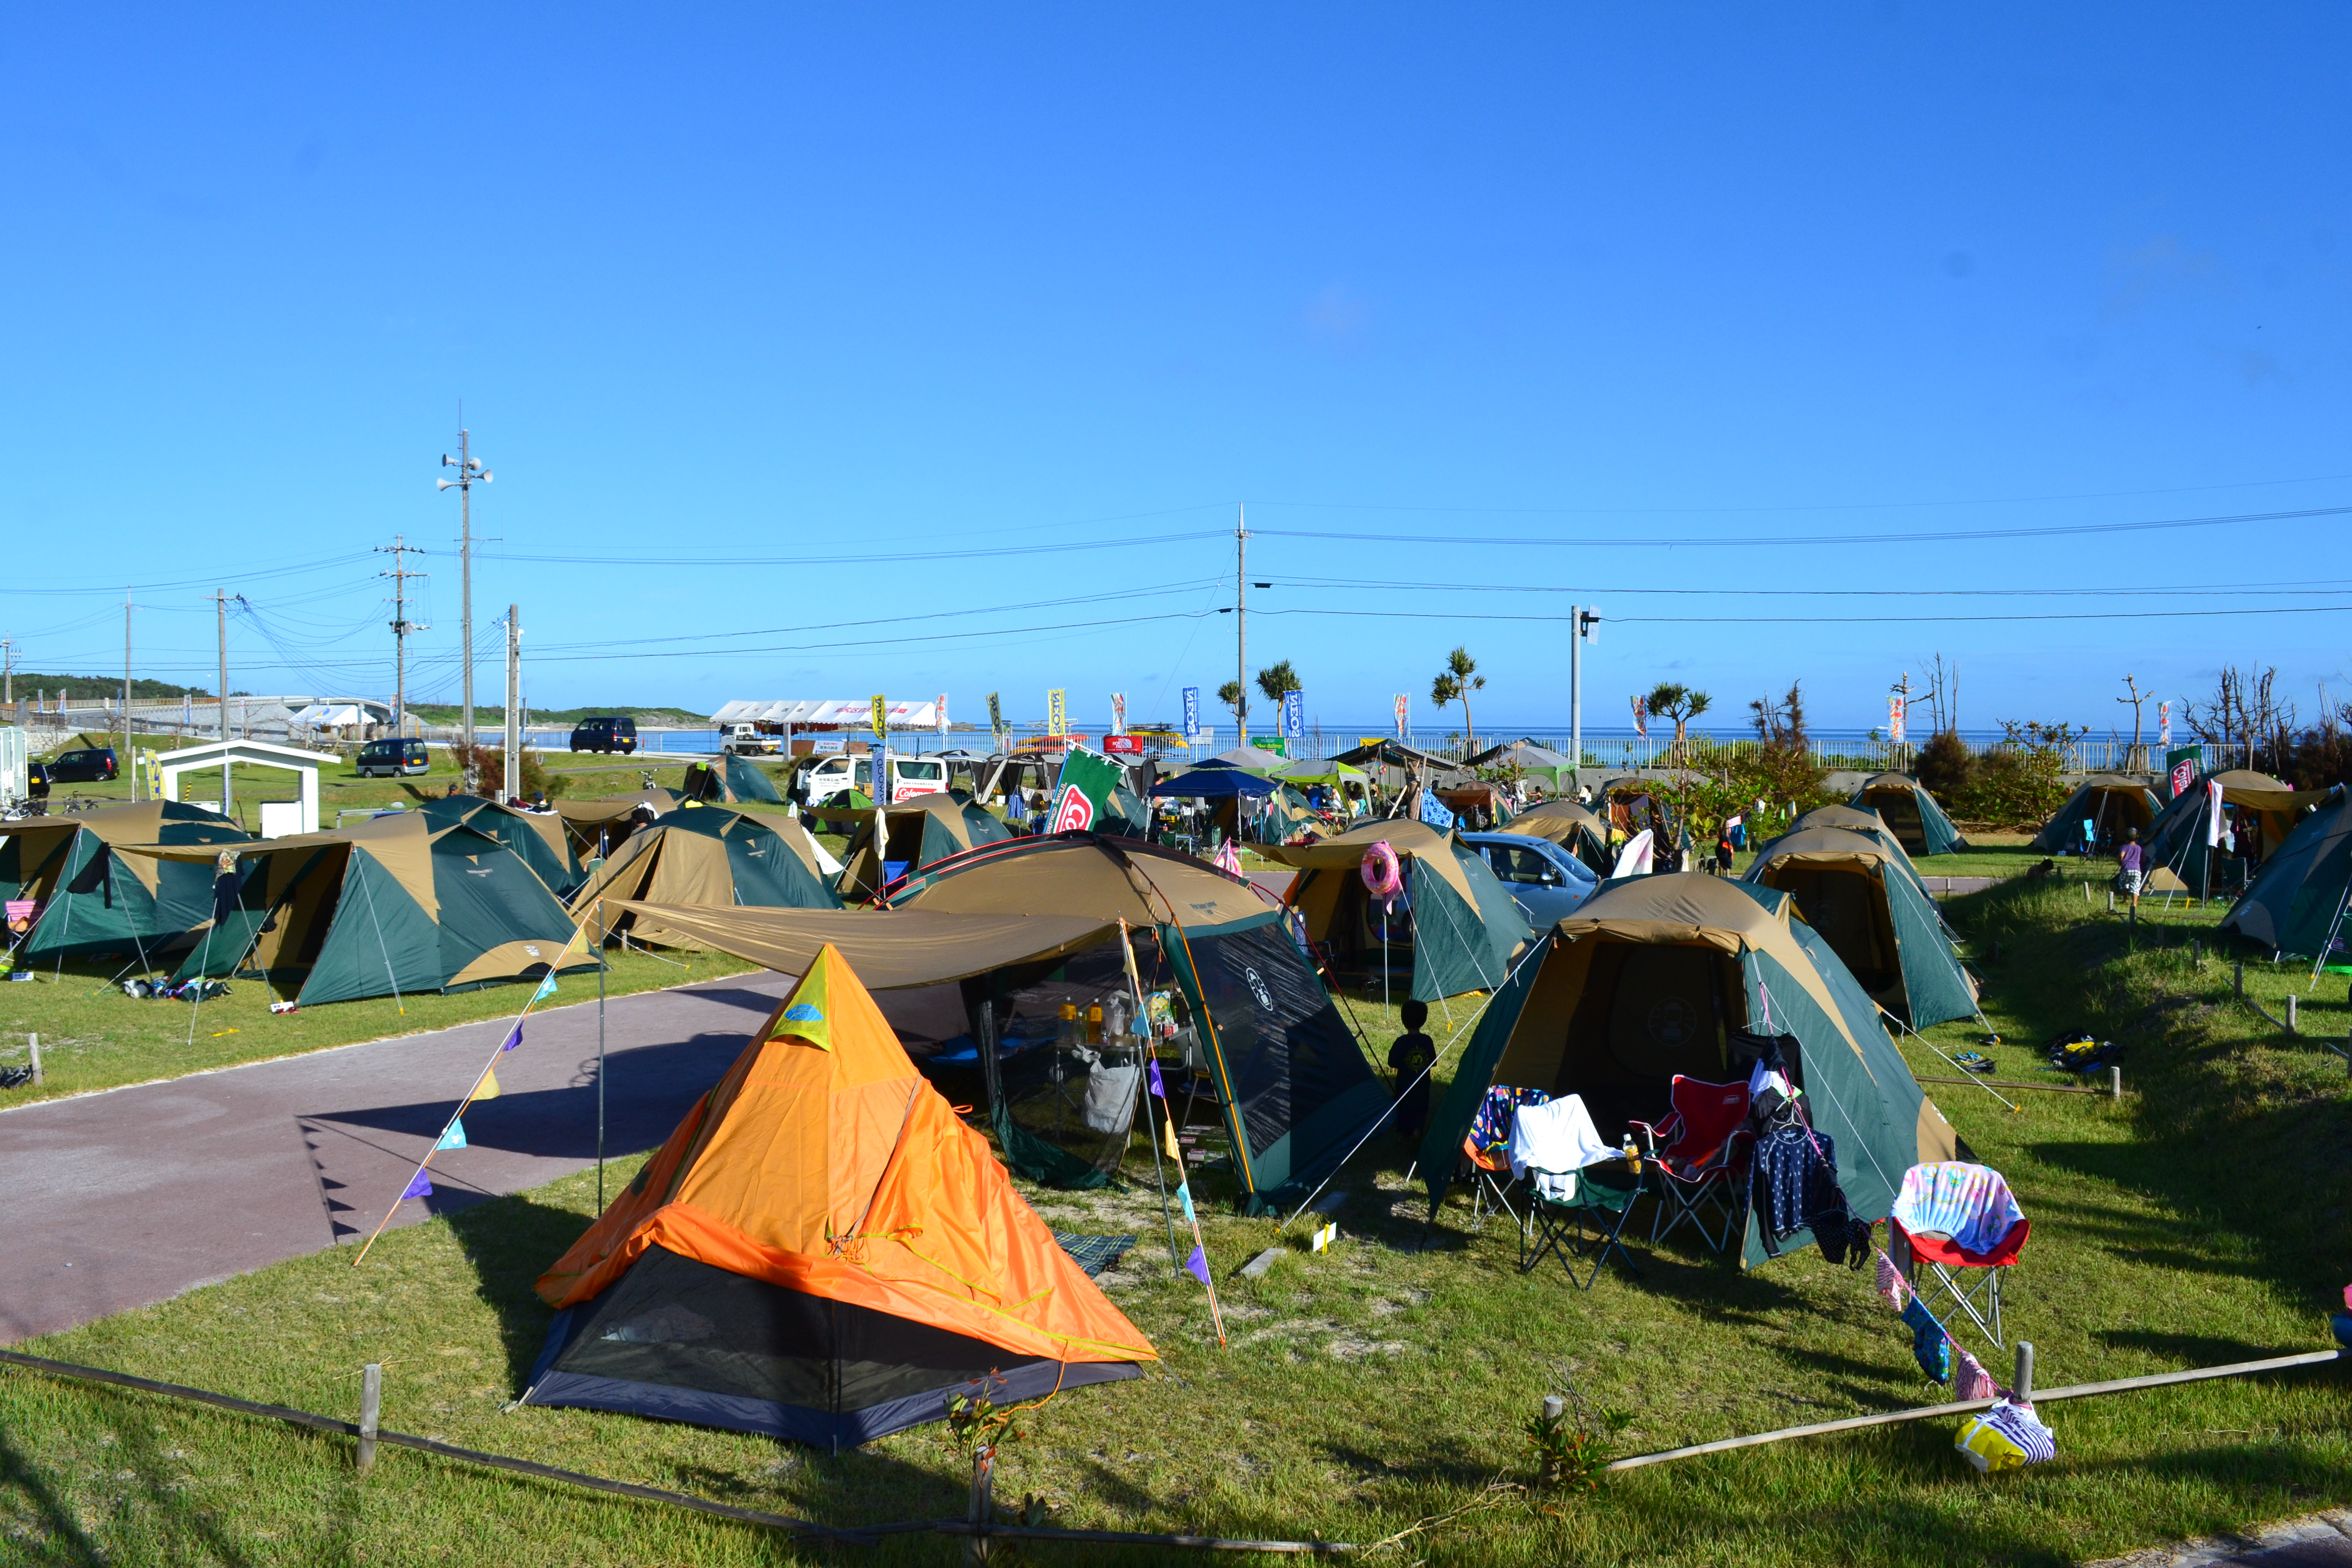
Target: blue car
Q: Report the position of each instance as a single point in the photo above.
(1545, 880)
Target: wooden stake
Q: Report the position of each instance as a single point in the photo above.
(371, 1405)
(36, 1059)
(2290, 1014)
(2023, 1385)
(979, 1514)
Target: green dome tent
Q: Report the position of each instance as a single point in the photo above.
(2296, 904)
(395, 905)
(1882, 926)
(538, 837)
(1911, 813)
(707, 856)
(1852, 819)
(730, 781)
(96, 899)
(2110, 803)
(1464, 925)
(917, 832)
(2258, 807)
(1649, 979)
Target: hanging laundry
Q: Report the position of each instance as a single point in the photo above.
(1930, 1346)
(1890, 1283)
(1969, 1379)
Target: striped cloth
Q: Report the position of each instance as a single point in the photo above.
(1969, 1203)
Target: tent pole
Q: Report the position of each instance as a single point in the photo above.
(599, 1062)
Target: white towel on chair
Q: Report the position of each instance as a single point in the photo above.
(1556, 1136)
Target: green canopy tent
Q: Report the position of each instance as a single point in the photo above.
(94, 898)
(2111, 804)
(1456, 924)
(1254, 1022)
(1653, 977)
(2260, 811)
(1908, 809)
(538, 837)
(392, 906)
(702, 855)
(1534, 761)
(730, 781)
(1880, 923)
(2298, 902)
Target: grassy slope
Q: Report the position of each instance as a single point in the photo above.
(1366, 1388)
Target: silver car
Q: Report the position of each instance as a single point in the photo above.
(1545, 880)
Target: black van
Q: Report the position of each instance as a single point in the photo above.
(390, 759)
(92, 764)
(604, 735)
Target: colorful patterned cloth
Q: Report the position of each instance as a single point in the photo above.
(1971, 1203)
(1491, 1129)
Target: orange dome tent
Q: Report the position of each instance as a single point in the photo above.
(821, 1251)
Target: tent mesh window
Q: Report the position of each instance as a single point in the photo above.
(1078, 1096)
(676, 1322)
(1287, 1053)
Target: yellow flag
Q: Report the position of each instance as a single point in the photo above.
(489, 1088)
(1168, 1137)
(806, 1012)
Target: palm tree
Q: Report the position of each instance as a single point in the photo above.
(1454, 683)
(1672, 700)
(1278, 681)
(1230, 694)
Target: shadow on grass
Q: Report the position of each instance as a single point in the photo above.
(509, 1242)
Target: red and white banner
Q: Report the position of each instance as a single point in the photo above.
(2164, 725)
(1124, 745)
(1403, 708)
(1894, 717)
(1641, 715)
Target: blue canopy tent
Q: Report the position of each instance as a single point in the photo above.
(1213, 782)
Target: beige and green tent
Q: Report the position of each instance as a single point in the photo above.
(394, 905)
(917, 832)
(1878, 921)
(1663, 976)
(1910, 812)
(596, 827)
(90, 898)
(703, 855)
(541, 837)
(1573, 827)
(1456, 926)
(2112, 804)
(1852, 819)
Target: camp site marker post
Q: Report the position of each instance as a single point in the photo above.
(371, 1405)
(36, 1040)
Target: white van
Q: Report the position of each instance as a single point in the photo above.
(910, 776)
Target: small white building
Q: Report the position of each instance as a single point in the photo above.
(279, 819)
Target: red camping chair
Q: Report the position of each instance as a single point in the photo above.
(1940, 1200)
(1699, 1154)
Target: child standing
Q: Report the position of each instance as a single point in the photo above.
(1410, 1059)
(2129, 880)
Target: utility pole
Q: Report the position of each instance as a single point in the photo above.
(469, 469)
(8, 673)
(129, 759)
(400, 551)
(1584, 626)
(220, 622)
(514, 703)
(1241, 618)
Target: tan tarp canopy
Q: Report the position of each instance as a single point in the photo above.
(890, 949)
(1079, 875)
(2260, 792)
(599, 826)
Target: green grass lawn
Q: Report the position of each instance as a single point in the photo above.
(2206, 1218)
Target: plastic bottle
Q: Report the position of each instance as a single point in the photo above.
(1633, 1155)
(1119, 1018)
(1070, 1028)
(1094, 1025)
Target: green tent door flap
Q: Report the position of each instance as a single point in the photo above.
(1298, 1091)
(381, 941)
(767, 874)
(1458, 947)
(1935, 986)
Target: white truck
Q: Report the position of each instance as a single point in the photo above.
(746, 741)
(910, 776)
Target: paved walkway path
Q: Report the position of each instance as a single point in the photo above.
(129, 1197)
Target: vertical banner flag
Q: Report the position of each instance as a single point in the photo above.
(1192, 715)
(996, 721)
(1118, 712)
(943, 712)
(2164, 724)
(2213, 813)
(881, 716)
(1057, 721)
(1642, 717)
(1894, 717)
(2182, 766)
(1293, 715)
(1403, 708)
(1082, 792)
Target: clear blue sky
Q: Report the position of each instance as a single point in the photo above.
(754, 311)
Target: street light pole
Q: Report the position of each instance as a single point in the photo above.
(1241, 621)
(469, 469)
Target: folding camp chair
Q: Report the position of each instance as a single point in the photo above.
(1487, 1151)
(1698, 1155)
(1955, 1217)
(1573, 1180)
